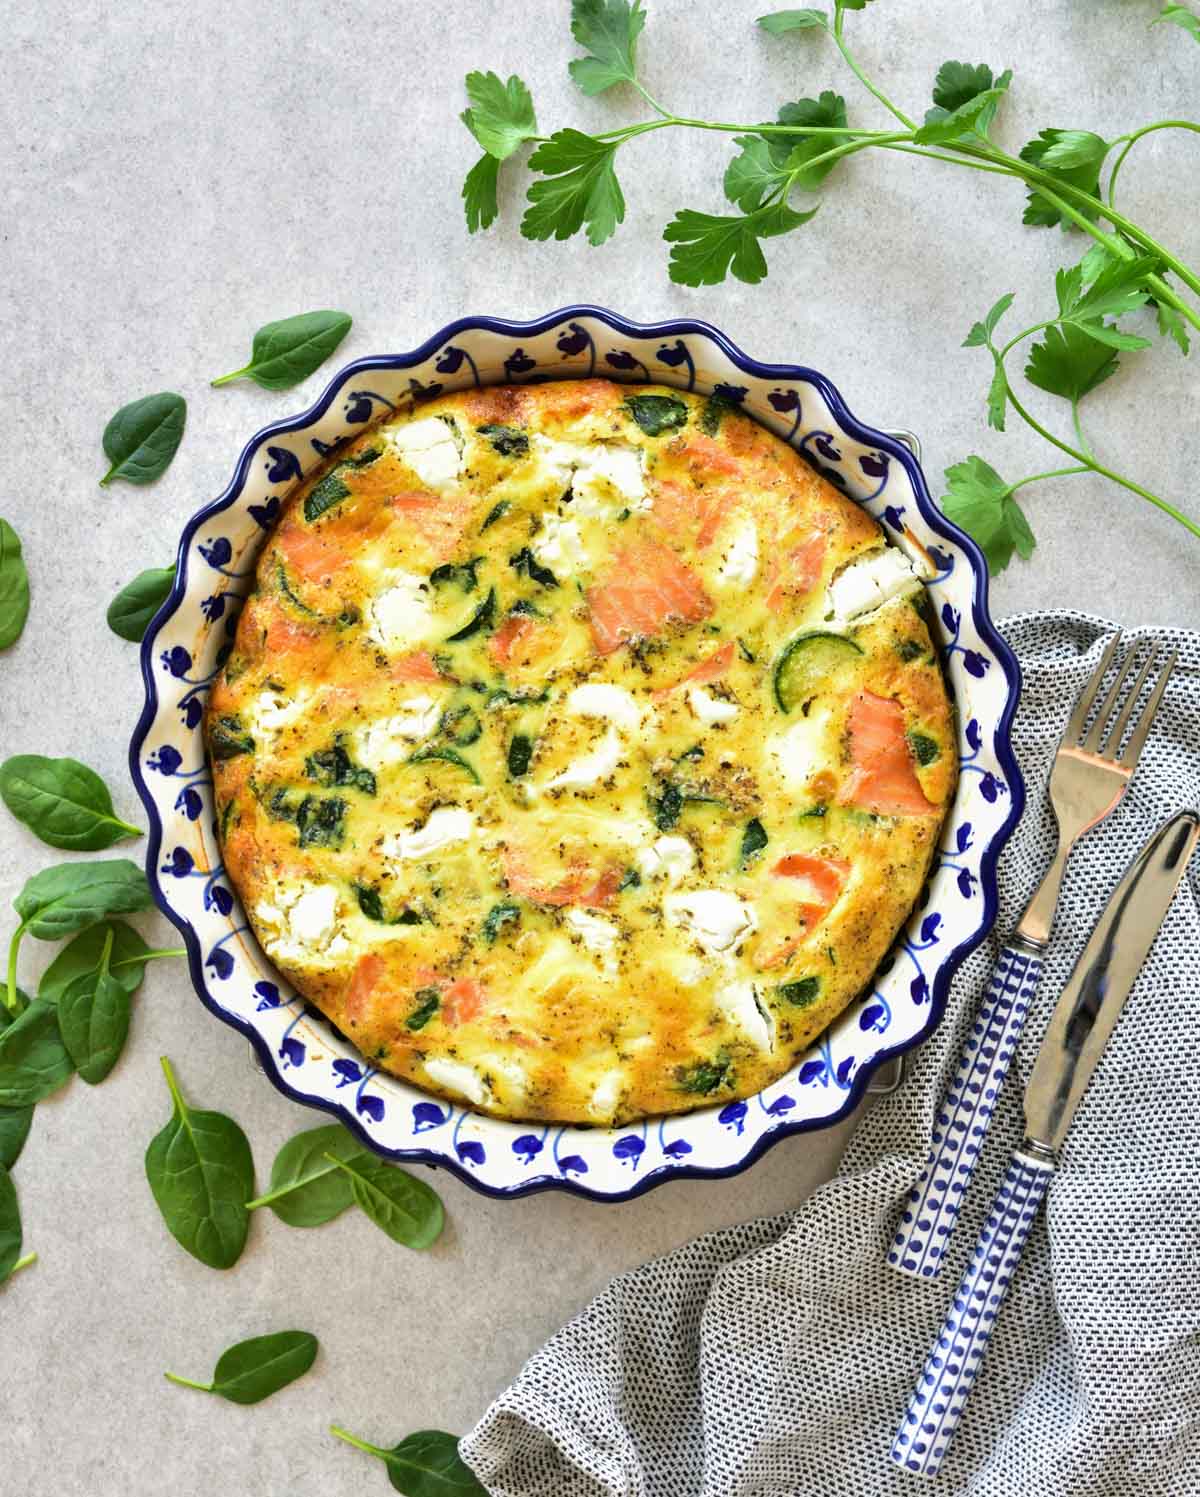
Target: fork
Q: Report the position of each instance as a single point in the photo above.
(1089, 776)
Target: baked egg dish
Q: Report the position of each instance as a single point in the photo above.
(581, 751)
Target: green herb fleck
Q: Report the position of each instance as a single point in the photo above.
(656, 414)
(497, 512)
(754, 839)
(429, 1000)
(802, 992)
(509, 441)
(705, 1076)
(497, 918)
(925, 749)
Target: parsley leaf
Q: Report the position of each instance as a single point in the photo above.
(979, 500)
(708, 246)
(754, 174)
(1068, 362)
(1172, 325)
(829, 109)
(965, 100)
(501, 114)
(609, 29)
(1076, 157)
(781, 21)
(981, 332)
(997, 401)
(1179, 15)
(479, 193)
(580, 187)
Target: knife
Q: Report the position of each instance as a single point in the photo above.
(1084, 1017)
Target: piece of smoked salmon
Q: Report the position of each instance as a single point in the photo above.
(647, 586)
(884, 778)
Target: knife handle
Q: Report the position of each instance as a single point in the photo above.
(929, 1215)
(953, 1363)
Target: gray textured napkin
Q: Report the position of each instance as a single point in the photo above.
(775, 1359)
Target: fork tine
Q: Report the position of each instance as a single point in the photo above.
(1114, 695)
(1112, 739)
(1087, 695)
(1139, 735)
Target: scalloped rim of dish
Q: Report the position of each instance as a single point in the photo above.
(981, 618)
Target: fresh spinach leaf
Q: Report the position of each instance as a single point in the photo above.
(520, 752)
(399, 1204)
(667, 807)
(201, 1175)
(253, 1370)
(33, 1060)
(497, 918)
(449, 756)
(63, 802)
(68, 896)
(925, 749)
(82, 957)
(334, 767)
(525, 561)
(424, 1464)
(509, 441)
(483, 618)
(781, 21)
(802, 992)
(10, 1225)
(370, 903)
(754, 839)
(283, 353)
(321, 820)
(429, 1000)
(307, 1188)
(93, 1019)
(228, 738)
(657, 413)
(462, 572)
(143, 437)
(14, 586)
(323, 496)
(705, 1076)
(15, 1122)
(130, 612)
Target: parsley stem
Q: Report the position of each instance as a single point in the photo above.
(848, 56)
(653, 102)
(1052, 473)
(979, 166)
(625, 132)
(1132, 140)
(1079, 436)
(25, 1262)
(1026, 333)
(1096, 467)
(847, 148)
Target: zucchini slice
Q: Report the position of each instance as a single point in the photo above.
(807, 662)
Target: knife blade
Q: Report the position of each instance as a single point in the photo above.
(1095, 993)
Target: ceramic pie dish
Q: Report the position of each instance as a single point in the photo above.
(299, 1050)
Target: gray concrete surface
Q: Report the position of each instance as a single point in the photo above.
(174, 176)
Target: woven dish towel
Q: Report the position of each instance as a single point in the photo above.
(775, 1359)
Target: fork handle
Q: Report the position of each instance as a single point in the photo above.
(931, 1210)
(953, 1362)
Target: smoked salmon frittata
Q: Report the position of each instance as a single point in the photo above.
(581, 751)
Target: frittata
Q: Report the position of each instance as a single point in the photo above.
(581, 751)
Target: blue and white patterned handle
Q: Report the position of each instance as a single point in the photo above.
(953, 1364)
(962, 1119)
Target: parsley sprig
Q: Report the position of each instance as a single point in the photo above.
(576, 189)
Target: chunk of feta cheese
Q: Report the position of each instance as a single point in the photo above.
(558, 544)
(801, 750)
(597, 473)
(390, 739)
(458, 1077)
(672, 858)
(400, 616)
(608, 703)
(431, 449)
(589, 769)
(868, 583)
(740, 562)
(606, 1094)
(300, 925)
(710, 709)
(740, 1002)
(270, 713)
(720, 921)
(596, 933)
(445, 826)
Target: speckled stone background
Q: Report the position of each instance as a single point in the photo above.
(174, 176)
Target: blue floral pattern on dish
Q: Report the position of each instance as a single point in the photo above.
(301, 1053)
